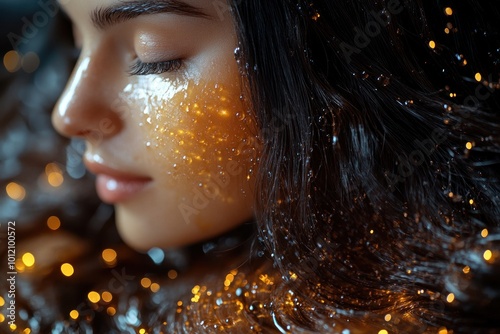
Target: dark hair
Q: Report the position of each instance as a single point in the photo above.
(380, 158)
(378, 195)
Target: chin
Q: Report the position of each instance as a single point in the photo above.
(143, 231)
(168, 229)
(144, 221)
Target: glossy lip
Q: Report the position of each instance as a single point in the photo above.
(114, 186)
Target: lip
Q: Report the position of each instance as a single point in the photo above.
(114, 186)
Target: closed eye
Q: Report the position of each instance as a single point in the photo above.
(141, 68)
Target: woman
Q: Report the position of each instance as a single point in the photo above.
(361, 137)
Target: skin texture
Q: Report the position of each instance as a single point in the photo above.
(187, 130)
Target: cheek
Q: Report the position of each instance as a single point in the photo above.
(197, 131)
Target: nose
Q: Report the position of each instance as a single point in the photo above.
(85, 108)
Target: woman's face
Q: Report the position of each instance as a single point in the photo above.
(156, 94)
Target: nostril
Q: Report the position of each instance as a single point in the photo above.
(83, 133)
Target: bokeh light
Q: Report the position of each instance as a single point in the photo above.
(172, 274)
(109, 255)
(12, 61)
(15, 191)
(106, 296)
(94, 297)
(67, 269)
(53, 223)
(74, 314)
(145, 282)
(30, 62)
(155, 287)
(28, 260)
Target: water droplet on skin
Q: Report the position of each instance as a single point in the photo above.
(184, 132)
(240, 116)
(237, 53)
(187, 160)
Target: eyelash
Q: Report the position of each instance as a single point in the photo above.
(140, 68)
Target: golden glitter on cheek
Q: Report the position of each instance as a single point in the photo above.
(196, 130)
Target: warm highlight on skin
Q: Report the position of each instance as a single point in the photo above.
(185, 131)
(186, 125)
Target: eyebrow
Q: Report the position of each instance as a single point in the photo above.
(105, 17)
